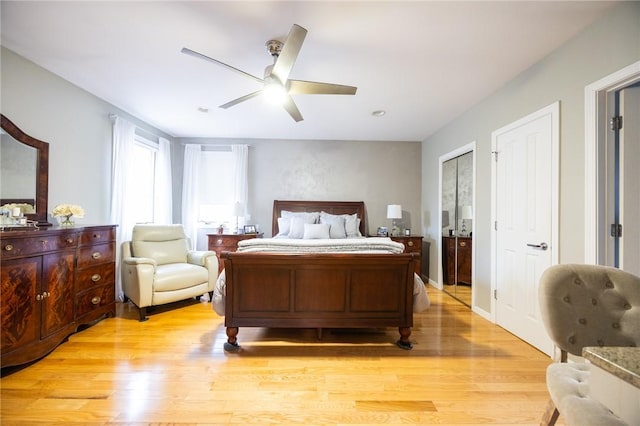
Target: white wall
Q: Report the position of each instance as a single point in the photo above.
(609, 44)
(77, 127)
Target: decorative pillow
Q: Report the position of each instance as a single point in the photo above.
(336, 224)
(284, 226)
(297, 225)
(316, 231)
(352, 225)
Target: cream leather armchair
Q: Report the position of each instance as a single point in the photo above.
(159, 268)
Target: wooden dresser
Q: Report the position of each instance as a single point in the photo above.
(463, 246)
(53, 281)
(412, 244)
(227, 242)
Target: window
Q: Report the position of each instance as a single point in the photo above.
(216, 195)
(141, 189)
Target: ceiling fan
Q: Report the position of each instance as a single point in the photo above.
(276, 82)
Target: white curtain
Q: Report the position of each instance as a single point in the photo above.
(190, 185)
(240, 185)
(163, 201)
(121, 167)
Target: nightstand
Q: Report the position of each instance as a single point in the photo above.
(412, 244)
(227, 242)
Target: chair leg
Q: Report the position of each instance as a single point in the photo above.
(143, 314)
(550, 415)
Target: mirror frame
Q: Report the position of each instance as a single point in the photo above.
(42, 169)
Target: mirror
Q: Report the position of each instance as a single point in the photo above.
(457, 220)
(25, 180)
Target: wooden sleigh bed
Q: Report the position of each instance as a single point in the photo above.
(318, 290)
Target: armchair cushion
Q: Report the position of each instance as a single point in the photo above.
(163, 252)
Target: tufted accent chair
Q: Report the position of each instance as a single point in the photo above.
(585, 305)
(159, 268)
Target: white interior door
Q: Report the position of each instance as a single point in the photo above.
(630, 180)
(525, 214)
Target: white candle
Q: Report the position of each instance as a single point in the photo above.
(15, 212)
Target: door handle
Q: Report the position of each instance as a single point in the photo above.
(541, 246)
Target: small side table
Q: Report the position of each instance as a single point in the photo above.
(227, 242)
(412, 244)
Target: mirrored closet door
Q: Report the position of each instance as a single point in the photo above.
(457, 221)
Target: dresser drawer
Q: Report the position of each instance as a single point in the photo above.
(223, 241)
(97, 236)
(95, 275)
(94, 299)
(95, 255)
(14, 247)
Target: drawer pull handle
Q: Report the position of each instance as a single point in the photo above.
(463, 244)
(96, 255)
(69, 240)
(39, 297)
(219, 242)
(96, 300)
(45, 294)
(410, 243)
(95, 278)
(8, 247)
(96, 235)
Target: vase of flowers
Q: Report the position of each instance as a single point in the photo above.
(66, 213)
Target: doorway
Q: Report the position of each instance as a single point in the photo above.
(606, 236)
(457, 203)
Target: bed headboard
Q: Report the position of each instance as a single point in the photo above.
(333, 207)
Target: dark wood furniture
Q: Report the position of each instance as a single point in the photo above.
(319, 290)
(226, 242)
(463, 245)
(412, 244)
(53, 281)
(41, 190)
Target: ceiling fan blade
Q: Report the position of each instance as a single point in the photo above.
(292, 109)
(289, 53)
(215, 61)
(241, 99)
(301, 87)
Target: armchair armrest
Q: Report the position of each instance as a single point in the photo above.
(198, 257)
(137, 279)
(132, 261)
(209, 260)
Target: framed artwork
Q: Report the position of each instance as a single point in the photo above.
(382, 231)
(249, 229)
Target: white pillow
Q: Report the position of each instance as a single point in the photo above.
(297, 225)
(316, 231)
(352, 225)
(336, 224)
(284, 226)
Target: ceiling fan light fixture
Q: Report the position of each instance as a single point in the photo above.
(274, 93)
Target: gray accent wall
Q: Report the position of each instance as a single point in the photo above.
(608, 45)
(378, 173)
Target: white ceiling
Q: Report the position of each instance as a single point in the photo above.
(424, 62)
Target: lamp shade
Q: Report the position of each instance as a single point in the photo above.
(394, 211)
(238, 209)
(466, 212)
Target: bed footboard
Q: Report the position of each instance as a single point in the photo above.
(319, 291)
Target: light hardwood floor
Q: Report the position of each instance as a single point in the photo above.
(463, 370)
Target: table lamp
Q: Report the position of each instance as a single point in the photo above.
(394, 211)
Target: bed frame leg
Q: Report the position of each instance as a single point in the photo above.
(404, 342)
(231, 345)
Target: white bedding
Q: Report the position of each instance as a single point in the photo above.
(349, 245)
